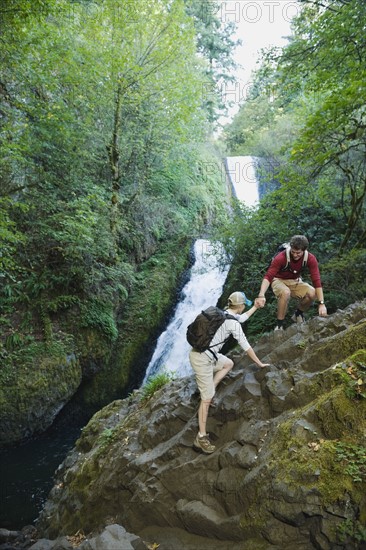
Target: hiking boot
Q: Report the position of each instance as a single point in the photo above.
(298, 318)
(203, 444)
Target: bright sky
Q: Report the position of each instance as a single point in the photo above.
(260, 24)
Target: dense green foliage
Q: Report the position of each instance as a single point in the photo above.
(305, 120)
(214, 43)
(105, 132)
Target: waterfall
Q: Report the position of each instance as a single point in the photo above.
(203, 289)
(207, 279)
(242, 174)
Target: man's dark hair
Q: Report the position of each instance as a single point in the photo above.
(299, 242)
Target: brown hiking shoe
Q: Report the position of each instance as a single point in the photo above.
(203, 444)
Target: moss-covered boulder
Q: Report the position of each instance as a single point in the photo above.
(36, 382)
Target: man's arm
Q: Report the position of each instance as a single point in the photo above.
(260, 301)
(322, 310)
(315, 279)
(273, 271)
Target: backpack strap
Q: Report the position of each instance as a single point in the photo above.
(305, 258)
(212, 353)
(228, 316)
(287, 250)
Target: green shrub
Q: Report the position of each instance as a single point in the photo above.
(154, 384)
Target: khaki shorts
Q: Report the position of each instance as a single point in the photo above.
(205, 367)
(297, 287)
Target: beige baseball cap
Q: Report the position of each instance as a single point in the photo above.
(238, 298)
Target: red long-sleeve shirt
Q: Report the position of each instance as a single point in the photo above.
(279, 262)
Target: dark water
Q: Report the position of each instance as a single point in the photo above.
(27, 471)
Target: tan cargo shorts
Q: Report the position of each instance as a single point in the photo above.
(297, 287)
(205, 367)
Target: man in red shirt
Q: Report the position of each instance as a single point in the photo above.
(285, 281)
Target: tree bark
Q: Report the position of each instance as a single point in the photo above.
(114, 160)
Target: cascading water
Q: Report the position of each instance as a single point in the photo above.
(206, 281)
(202, 290)
(242, 174)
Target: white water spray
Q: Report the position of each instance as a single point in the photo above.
(202, 290)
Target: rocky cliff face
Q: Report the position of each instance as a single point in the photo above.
(290, 466)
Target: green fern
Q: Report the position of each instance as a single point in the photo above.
(155, 383)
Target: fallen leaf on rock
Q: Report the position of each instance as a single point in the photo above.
(76, 539)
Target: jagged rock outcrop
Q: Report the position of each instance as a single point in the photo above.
(289, 470)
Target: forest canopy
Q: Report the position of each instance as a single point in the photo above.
(107, 109)
(104, 130)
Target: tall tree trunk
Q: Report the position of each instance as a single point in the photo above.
(114, 160)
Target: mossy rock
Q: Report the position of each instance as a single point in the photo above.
(37, 382)
(313, 463)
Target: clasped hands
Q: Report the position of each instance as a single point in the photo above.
(260, 302)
